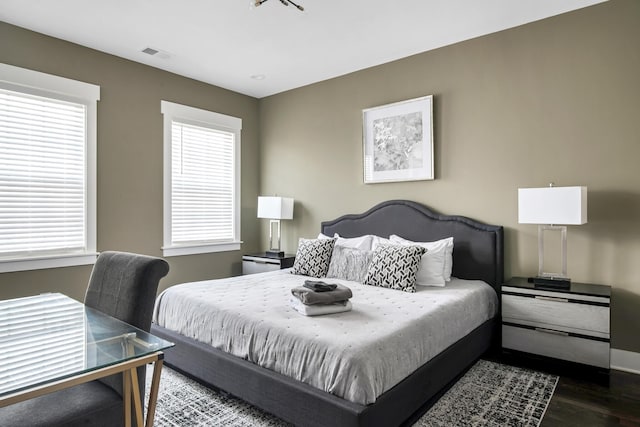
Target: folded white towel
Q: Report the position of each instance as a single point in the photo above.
(319, 309)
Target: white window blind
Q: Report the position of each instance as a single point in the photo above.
(47, 170)
(202, 185)
(42, 185)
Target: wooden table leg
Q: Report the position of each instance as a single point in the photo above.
(137, 401)
(153, 393)
(126, 398)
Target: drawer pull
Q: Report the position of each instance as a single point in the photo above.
(551, 299)
(552, 332)
(260, 262)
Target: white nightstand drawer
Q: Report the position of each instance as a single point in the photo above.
(252, 267)
(557, 312)
(261, 263)
(554, 344)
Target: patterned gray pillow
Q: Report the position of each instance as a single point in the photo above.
(313, 256)
(349, 263)
(395, 267)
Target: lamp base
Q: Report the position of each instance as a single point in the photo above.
(275, 254)
(551, 282)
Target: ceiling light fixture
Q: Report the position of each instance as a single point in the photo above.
(284, 2)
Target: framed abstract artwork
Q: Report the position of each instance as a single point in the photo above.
(398, 141)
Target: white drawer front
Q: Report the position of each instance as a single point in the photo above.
(261, 260)
(557, 314)
(252, 267)
(555, 294)
(570, 348)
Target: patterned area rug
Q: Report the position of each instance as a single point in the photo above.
(489, 394)
(492, 394)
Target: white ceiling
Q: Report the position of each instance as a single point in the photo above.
(225, 42)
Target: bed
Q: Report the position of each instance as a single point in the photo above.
(477, 256)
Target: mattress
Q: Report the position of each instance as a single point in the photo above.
(356, 355)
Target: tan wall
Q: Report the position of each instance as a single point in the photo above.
(556, 100)
(130, 157)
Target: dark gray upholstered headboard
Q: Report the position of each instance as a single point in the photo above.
(478, 247)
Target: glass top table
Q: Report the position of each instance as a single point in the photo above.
(47, 338)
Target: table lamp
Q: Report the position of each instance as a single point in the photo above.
(552, 208)
(275, 208)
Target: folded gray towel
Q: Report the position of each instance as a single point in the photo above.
(309, 297)
(319, 286)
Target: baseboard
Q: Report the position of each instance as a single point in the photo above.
(627, 361)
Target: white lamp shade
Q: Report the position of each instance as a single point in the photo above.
(272, 207)
(552, 205)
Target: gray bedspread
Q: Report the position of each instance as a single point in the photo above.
(356, 355)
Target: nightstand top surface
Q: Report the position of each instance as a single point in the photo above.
(264, 255)
(576, 287)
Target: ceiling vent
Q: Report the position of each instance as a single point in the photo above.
(156, 52)
(150, 51)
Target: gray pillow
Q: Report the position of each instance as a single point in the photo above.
(349, 263)
(313, 256)
(395, 267)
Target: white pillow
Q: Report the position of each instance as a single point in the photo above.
(362, 243)
(436, 264)
(377, 241)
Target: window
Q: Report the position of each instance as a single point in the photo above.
(47, 170)
(201, 181)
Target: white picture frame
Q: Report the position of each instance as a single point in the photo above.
(398, 141)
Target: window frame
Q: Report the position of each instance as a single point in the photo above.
(195, 116)
(36, 83)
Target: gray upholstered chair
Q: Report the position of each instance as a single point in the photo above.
(123, 285)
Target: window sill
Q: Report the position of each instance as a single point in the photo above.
(168, 251)
(40, 263)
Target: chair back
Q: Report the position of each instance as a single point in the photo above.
(124, 285)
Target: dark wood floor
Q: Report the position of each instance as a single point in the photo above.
(585, 397)
(585, 402)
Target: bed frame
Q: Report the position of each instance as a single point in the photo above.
(478, 254)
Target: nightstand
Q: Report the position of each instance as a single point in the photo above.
(569, 324)
(260, 263)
